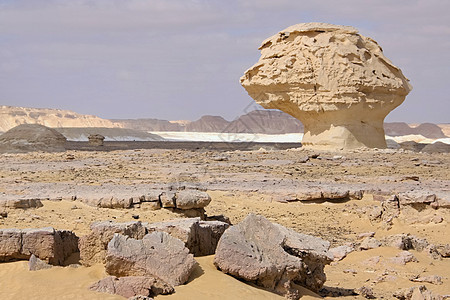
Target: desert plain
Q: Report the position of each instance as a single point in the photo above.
(277, 184)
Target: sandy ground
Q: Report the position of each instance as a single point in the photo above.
(239, 183)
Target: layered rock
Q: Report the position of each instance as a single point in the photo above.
(11, 116)
(273, 256)
(94, 245)
(335, 81)
(47, 244)
(157, 254)
(131, 286)
(200, 237)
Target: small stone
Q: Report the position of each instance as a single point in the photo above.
(369, 243)
(35, 264)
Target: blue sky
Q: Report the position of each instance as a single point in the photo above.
(181, 59)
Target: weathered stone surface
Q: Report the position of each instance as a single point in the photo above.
(433, 279)
(157, 254)
(191, 199)
(272, 256)
(200, 237)
(21, 203)
(335, 81)
(93, 246)
(11, 244)
(403, 258)
(109, 202)
(405, 242)
(167, 199)
(416, 198)
(340, 252)
(369, 243)
(96, 139)
(48, 244)
(131, 286)
(417, 293)
(35, 264)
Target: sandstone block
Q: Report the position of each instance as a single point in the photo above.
(157, 254)
(272, 256)
(131, 286)
(93, 246)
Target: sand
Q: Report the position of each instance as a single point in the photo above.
(250, 181)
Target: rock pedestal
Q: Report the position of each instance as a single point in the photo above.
(335, 81)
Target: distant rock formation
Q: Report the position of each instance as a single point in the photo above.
(267, 122)
(208, 124)
(148, 124)
(32, 137)
(427, 130)
(110, 134)
(336, 81)
(12, 116)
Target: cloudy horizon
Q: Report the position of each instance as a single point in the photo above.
(183, 59)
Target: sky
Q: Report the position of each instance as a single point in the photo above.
(181, 59)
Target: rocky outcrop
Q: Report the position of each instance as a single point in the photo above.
(200, 237)
(12, 116)
(94, 245)
(417, 293)
(208, 124)
(335, 81)
(273, 256)
(157, 254)
(96, 139)
(265, 122)
(50, 245)
(20, 203)
(32, 137)
(131, 286)
(185, 201)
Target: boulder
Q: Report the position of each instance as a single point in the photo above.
(131, 286)
(417, 197)
(369, 243)
(273, 256)
(403, 258)
(96, 139)
(417, 293)
(191, 199)
(200, 237)
(93, 246)
(437, 147)
(340, 252)
(52, 246)
(157, 254)
(337, 82)
(21, 203)
(405, 242)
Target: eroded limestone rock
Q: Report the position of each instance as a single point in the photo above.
(157, 254)
(273, 256)
(335, 81)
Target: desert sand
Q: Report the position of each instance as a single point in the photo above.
(239, 183)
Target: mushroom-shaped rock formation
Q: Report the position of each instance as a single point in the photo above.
(32, 137)
(335, 81)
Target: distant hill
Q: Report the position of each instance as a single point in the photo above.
(428, 130)
(208, 124)
(257, 121)
(11, 116)
(148, 124)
